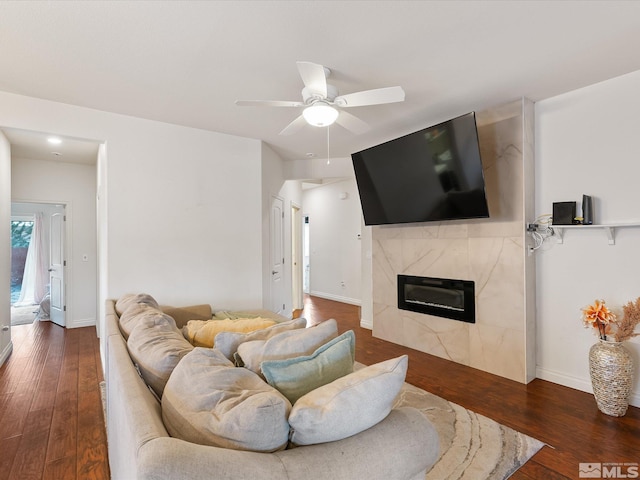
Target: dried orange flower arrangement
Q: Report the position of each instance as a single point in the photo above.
(598, 316)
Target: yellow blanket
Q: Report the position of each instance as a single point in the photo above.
(202, 333)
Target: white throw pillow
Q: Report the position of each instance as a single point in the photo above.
(156, 346)
(208, 401)
(291, 343)
(349, 405)
(228, 342)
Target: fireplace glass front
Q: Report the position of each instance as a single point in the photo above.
(442, 297)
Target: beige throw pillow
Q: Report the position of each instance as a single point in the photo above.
(210, 402)
(349, 405)
(156, 346)
(129, 299)
(291, 343)
(135, 314)
(228, 342)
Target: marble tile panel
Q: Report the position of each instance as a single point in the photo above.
(388, 324)
(421, 230)
(387, 231)
(498, 350)
(442, 258)
(501, 151)
(437, 336)
(386, 264)
(498, 269)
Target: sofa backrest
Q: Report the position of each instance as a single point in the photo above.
(133, 414)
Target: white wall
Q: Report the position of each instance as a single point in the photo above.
(587, 143)
(5, 248)
(335, 249)
(73, 185)
(183, 206)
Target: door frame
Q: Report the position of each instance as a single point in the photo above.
(273, 237)
(67, 240)
(296, 256)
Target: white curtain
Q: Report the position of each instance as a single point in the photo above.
(36, 268)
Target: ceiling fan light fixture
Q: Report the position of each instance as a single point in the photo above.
(320, 114)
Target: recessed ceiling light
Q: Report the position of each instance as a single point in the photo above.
(54, 140)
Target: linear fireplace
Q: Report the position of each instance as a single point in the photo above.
(442, 297)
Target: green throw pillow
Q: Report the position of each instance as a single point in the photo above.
(295, 377)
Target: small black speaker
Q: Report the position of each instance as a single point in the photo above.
(564, 213)
(587, 210)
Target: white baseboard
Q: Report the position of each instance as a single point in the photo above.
(336, 298)
(83, 322)
(5, 353)
(582, 384)
(368, 324)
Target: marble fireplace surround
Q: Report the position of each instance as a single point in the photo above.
(492, 252)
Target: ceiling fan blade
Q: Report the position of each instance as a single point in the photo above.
(371, 97)
(352, 123)
(268, 103)
(294, 126)
(314, 77)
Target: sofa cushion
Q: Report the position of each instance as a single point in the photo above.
(203, 333)
(192, 312)
(210, 402)
(156, 346)
(134, 314)
(228, 342)
(291, 343)
(129, 299)
(295, 377)
(348, 405)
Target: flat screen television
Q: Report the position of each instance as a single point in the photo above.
(430, 175)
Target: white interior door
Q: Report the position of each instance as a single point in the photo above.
(277, 255)
(56, 268)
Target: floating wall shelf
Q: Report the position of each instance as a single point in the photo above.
(609, 230)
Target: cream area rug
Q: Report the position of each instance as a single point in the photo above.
(472, 447)
(23, 315)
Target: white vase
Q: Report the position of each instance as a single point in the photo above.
(611, 370)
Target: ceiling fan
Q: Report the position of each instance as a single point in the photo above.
(322, 103)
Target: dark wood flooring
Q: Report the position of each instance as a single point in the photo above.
(51, 423)
(51, 420)
(567, 420)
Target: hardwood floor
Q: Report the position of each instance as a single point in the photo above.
(51, 424)
(51, 421)
(567, 420)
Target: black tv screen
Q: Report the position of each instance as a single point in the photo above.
(430, 175)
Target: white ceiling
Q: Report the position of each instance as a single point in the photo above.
(187, 62)
(36, 146)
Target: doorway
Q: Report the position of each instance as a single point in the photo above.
(37, 266)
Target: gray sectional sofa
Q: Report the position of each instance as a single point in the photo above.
(403, 446)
